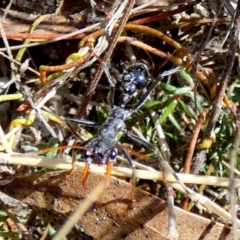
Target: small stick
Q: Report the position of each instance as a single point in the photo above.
(94, 82)
(190, 151)
(225, 76)
(193, 141)
(172, 228)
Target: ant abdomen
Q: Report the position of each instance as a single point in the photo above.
(134, 78)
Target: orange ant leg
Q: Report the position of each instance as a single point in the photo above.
(85, 173)
(108, 173)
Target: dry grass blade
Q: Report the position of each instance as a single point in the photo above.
(4, 141)
(124, 8)
(233, 199)
(201, 201)
(151, 174)
(222, 86)
(80, 211)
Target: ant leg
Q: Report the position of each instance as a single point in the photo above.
(109, 78)
(133, 180)
(144, 98)
(71, 128)
(163, 163)
(85, 173)
(74, 132)
(83, 122)
(111, 159)
(111, 84)
(88, 157)
(108, 173)
(79, 121)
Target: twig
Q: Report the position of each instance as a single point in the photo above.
(80, 211)
(208, 204)
(193, 141)
(5, 41)
(172, 228)
(217, 104)
(94, 82)
(229, 167)
(4, 141)
(62, 37)
(7, 9)
(233, 158)
(206, 39)
(164, 15)
(191, 148)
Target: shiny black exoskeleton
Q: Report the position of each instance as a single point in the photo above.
(134, 79)
(102, 148)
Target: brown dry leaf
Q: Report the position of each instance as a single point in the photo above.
(55, 195)
(72, 16)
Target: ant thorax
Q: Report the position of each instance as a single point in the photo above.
(114, 123)
(101, 151)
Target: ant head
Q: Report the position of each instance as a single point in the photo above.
(134, 78)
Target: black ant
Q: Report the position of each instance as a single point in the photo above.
(102, 148)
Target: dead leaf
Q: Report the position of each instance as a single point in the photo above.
(55, 195)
